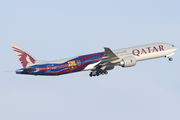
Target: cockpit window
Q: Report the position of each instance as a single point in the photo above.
(173, 45)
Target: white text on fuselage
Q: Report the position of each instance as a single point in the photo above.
(138, 52)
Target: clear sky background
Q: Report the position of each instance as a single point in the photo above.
(57, 29)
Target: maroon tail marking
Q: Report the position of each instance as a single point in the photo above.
(23, 56)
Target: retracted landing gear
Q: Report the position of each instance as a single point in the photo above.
(97, 73)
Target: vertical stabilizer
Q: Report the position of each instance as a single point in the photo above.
(25, 58)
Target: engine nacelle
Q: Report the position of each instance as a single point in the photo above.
(128, 61)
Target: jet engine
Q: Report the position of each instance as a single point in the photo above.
(128, 61)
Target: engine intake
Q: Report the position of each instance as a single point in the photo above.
(128, 61)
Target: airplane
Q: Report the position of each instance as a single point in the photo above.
(98, 63)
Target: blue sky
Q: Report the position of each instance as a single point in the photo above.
(53, 29)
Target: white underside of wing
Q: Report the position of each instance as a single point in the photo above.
(91, 66)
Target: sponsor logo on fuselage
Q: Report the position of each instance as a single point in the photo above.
(138, 52)
(72, 65)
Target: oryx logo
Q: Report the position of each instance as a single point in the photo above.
(24, 57)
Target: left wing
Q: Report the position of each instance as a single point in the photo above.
(109, 60)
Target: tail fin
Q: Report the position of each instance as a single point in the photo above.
(25, 58)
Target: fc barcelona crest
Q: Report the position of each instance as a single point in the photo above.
(72, 65)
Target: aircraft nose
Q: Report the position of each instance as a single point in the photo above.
(175, 48)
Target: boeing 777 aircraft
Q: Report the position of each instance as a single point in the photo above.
(98, 63)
